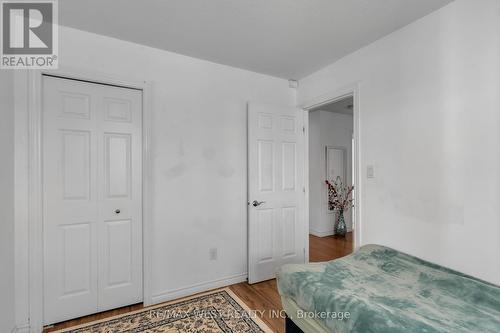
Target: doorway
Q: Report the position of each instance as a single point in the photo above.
(279, 191)
(331, 159)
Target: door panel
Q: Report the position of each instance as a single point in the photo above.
(265, 225)
(275, 178)
(75, 105)
(289, 166)
(76, 164)
(289, 225)
(117, 110)
(117, 165)
(92, 164)
(118, 253)
(266, 166)
(75, 267)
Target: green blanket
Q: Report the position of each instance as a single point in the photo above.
(383, 290)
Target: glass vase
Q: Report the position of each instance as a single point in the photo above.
(340, 227)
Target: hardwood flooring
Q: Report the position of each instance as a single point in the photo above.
(329, 248)
(264, 295)
(94, 317)
(260, 296)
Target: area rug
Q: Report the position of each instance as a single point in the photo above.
(212, 312)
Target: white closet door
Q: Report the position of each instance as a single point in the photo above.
(91, 167)
(70, 199)
(120, 197)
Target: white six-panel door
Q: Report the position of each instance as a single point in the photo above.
(92, 197)
(275, 189)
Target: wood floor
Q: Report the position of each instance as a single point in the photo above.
(264, 295)
(329, 248)
(259, 296)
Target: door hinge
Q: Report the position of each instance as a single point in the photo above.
(304, 189)
(304, 129)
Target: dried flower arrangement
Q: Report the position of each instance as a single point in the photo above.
(339, 196)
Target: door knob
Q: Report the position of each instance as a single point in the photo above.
(117, 211)
(256, 203)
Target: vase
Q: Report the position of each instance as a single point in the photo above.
(340, 227)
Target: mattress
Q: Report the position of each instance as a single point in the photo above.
(378, 289)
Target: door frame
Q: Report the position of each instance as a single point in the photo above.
(34, 241)
(333, 96)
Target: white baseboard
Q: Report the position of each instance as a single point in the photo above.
(169, 295)
(24, 328)
(324, 233)
(321, 233)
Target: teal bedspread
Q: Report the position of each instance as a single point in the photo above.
(386, 291)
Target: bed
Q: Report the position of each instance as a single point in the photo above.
(378, 289)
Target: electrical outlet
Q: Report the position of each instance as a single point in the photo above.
(212, 253)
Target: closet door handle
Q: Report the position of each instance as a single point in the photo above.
(117, 211)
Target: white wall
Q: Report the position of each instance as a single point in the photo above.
(6, 201)
(326, 129)
(430, 124)
(199, 152)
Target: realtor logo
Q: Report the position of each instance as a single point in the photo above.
(29, 34)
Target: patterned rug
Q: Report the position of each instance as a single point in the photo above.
(212, 312)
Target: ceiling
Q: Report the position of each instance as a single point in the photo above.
(283, 38)
(343, 106)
